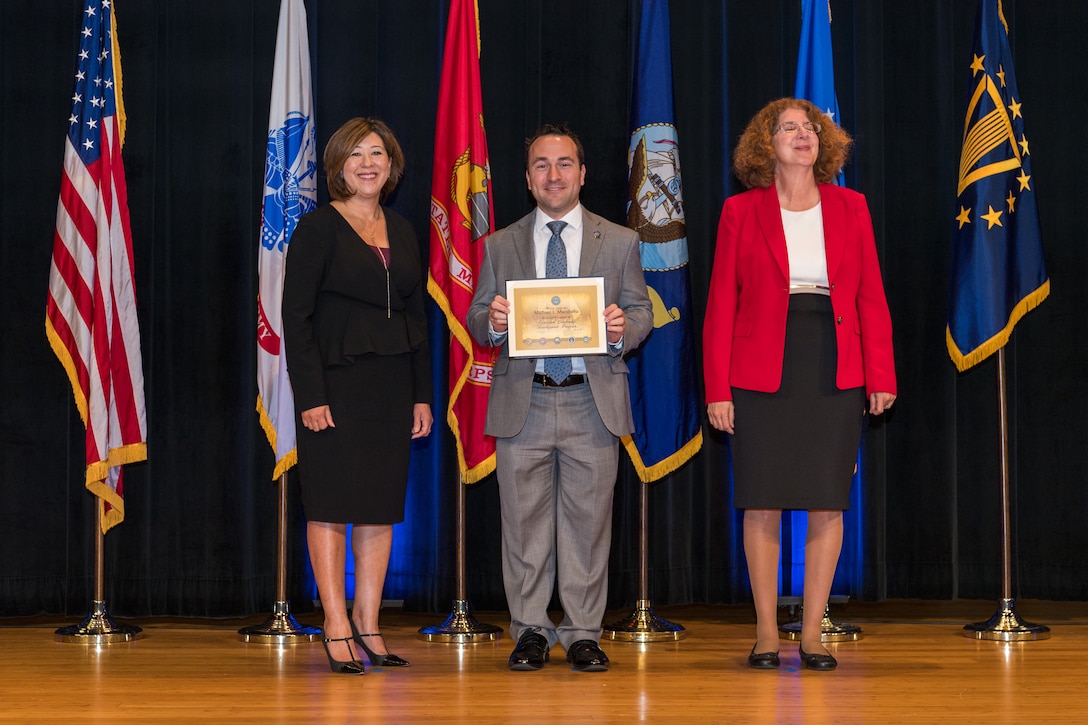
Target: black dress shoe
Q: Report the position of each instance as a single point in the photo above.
(818, 662)
(585, 655)
(763, 660)
(531, 652)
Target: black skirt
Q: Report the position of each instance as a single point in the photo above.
(797, 448)
(357, 472)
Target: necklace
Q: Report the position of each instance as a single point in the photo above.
(385, 263)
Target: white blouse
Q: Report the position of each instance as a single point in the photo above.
(805, 248)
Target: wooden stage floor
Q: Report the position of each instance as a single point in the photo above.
(912, 665)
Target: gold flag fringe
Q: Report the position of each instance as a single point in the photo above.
(649, 474)
(967, 360)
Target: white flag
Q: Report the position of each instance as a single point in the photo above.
(290, 190)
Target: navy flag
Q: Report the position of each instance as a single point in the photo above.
(662, 372)
(998, 271)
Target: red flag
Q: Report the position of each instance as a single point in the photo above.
(91, 311)
(461, 215)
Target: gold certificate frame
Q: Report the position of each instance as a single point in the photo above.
(550, 317)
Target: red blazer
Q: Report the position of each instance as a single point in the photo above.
(744, 334)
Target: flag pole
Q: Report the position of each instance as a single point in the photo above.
(460, 626)
(281, 627)
(1006, 625)
(643, 625)
(98, 627)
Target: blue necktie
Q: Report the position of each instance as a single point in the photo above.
(555, 265)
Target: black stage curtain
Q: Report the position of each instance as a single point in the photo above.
(199, 534)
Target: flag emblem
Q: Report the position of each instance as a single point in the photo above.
(656, 208)
(290, 179)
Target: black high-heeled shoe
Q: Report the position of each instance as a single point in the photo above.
(350, 667)
(387, 660)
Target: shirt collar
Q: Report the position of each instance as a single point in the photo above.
(573, 218)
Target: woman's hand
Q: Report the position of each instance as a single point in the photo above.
(880, 402)
(318, 419)
(422, 420)
(721, 415)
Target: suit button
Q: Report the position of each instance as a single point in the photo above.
(839, 320)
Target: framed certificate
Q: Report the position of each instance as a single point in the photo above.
(550, 317)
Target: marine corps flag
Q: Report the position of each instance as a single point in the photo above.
(90, 317)
(290, 190)
(461, 215)
(998, 271)
(662, 372)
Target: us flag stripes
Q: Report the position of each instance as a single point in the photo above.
(91, 311)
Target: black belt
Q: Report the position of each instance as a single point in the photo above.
(548, 382)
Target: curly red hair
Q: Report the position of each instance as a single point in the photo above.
(754, 160)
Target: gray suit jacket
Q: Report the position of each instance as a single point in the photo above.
(609, 251)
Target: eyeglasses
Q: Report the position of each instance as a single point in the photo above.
(789, 127)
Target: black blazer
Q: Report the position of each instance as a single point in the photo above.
(335, 306)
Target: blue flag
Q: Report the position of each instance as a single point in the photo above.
(816, 83)
(998, 271)
(662, 372)
(815, 65)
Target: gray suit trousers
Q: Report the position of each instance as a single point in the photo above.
(556, 481)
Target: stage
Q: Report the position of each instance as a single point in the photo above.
(911, 664)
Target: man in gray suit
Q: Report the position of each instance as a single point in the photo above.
(557, 421)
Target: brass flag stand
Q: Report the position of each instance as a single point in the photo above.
(281, 627)
(642, 625)
(831, 630)
(460, 626)
(1006, 625)
(98, 627)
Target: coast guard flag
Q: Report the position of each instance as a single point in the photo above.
(91, 317)
(815, 65)
(662, 372)
(998, 272)
(461, 216)
(290, 190)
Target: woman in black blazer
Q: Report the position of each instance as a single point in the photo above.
(355, 333)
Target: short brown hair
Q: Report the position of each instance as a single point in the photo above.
(344, 141)
(754, 159)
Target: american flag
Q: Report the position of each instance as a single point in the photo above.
(91, 311)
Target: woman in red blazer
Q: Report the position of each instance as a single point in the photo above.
(797, 336)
